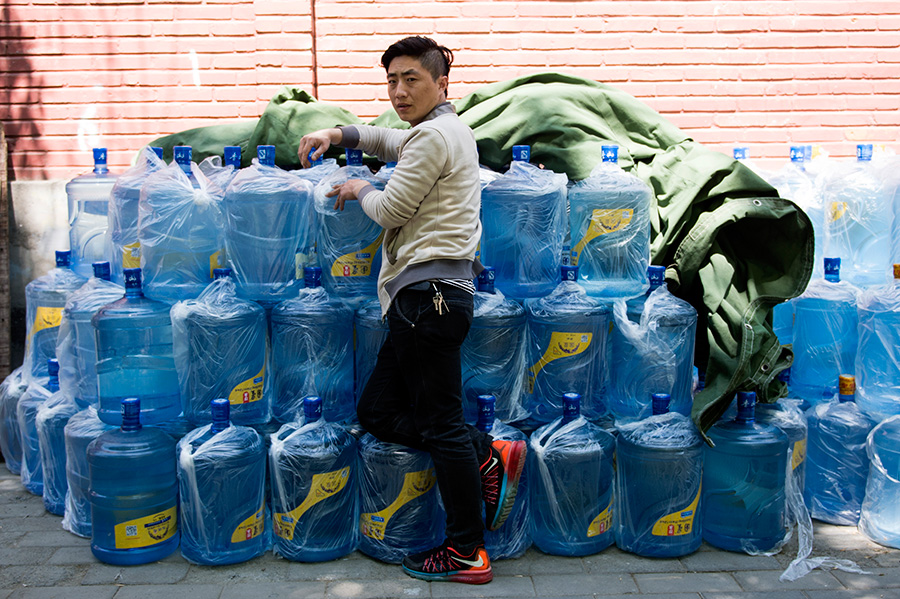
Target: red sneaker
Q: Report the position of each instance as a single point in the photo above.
(500, 480)
(445, 562)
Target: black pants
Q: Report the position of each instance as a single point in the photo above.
(414, 398)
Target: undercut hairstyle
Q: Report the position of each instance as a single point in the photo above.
(436, 59)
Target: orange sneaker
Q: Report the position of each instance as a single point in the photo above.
(445, 562)
(500, 474)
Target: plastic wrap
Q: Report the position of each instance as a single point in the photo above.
(651, 350)
(45, 298)
(221, 350)
(524, 225)
(221, 482)
(32, 471)
(797, 184)
(880, 515)
(370, 332)
(610, 225)
(837, 463)
(493, 357)
(312, 354)
(88, 203)
(513, 538)
(878, 352)
(658, 475)
(123, 212)
(571, 477)
(315, 491)
(217, 172)
(400, 512)
(11, 389)
(52, 417)
(181, 232)
(82, 428)
(567, 348)
(887, 168)
(268, 215)
(825, 338)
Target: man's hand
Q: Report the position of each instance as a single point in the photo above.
(313, 145)
(348, 190)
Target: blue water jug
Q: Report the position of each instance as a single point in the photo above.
(52, 417)
(348, 241)
(651, 348)
(788, 416)
(400, 511)
(81, 430)
(88, 202)
(610, 223)
(493, 354)
(45, 298)
(123, 211)
(312, 352)
(135, 356)
(267, 217)
(222, 171)
(567, 345)
(318, 170)
(76, 347)
(836, 459)
(877, 362)
(134, 491)
(221, 484)
(315, 492)
(880, 514)
(221, 350)
(825, 335)
(744, 478)
(658, 475)
(571, 476)
(11, 391)
(370, 333)
(512, 539)
(523, 214)
(38, 391)
(180, 229)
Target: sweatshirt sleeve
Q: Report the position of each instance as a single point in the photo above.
(378, 141)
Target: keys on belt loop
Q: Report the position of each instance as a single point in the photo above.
(439, 304)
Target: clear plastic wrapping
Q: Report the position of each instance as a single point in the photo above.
(82, 428)
(52, 417)
(878, 352)
(513, 538)
(32, 471)
(11, 389)
(370, 332)
(880, 515)
(214, 169)
(797, 184)
(45, 298)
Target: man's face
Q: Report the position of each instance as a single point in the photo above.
(413, 92)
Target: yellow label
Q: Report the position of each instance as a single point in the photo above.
(798, 455)
(147, 531)
(216, 260)
(252, 527)
(603, 221)
(847, 384)
(602, 522)
(677, 523)
(836, 211)
(250, 390)
(357, 264)
(45, 317)
(131, 255)
(323, 486)
(562, 345)
(415, 484)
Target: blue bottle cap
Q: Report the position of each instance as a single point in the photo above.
(312, 408)
(741, 153)
(864, 152)
(63, 258)
(221, 273)
(657, 276)
(101, 270)
(183, 155)
(486, 406)
(390, 164)
(157, 151)
(232, 155)
(132, 278)
(571, 406)
(609, 153)
(354, 157)
(266, 155)
(798, 154)
(314, 162)
(53, 367)
(521, 153)
(746, 405)
(486, 279)
(312, 276)
(569, 272)
(833, 270)
(221, 413)
(99, 156)
(660, 403)
(131, 414)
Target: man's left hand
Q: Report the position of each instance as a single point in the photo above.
(348, 190)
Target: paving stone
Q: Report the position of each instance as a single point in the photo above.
(853, 594)
(888, 560)
(502, 586)
(156, 573)
(768, 581)
(728, 561)
(53, 538)
(24, 556)
(256, 570)
(584, 584)
(745, 595)
(72, 556)
(614, 561)
(33, 523)
(690, 582)
(355, 566)
(378, 589)
(879, 578)
(168, 591)
(65, 593)
(20, 506)
(40, 576)
(282, 590)
(534, 562)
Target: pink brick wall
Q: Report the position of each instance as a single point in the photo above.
(760, 73)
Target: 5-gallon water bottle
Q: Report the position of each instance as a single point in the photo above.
(267, 217)
(312, 352)
(744, 478)
(651, 347)
(836, 459)
(878, 353)
(221, 482)
(134, 491)
(658, 475)
(523, 214)
(135, 356)
(221, 351)
(222, 171)
(318, 170)
(349, 242)
(39, 391)
(880, 514)
(610, 223)
(493, 354)
(315, 492)
(513, 538)
(567, 334)
(11, 391)
(52, 417)
(858, 221)
(401, 514)
(88, 199)
(825, 335)
(82, 428)
(45, 298)
(180, 229)
(571, 476)
(123, 211)
(370, 333)
(788, 415)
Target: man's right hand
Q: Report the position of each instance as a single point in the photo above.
(314, 145)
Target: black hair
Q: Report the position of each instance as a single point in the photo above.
(436, 59)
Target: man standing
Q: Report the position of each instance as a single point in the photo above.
(430, 212)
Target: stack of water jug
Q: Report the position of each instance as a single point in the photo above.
(199, 388)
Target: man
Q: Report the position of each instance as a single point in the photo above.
(430, 212)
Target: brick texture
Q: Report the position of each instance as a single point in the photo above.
(121, 72)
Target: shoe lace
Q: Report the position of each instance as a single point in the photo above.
(439, 561)
(490, 486)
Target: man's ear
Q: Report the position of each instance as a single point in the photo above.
(443, 82)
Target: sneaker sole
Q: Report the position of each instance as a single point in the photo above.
(514, 464)
(466, 577)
